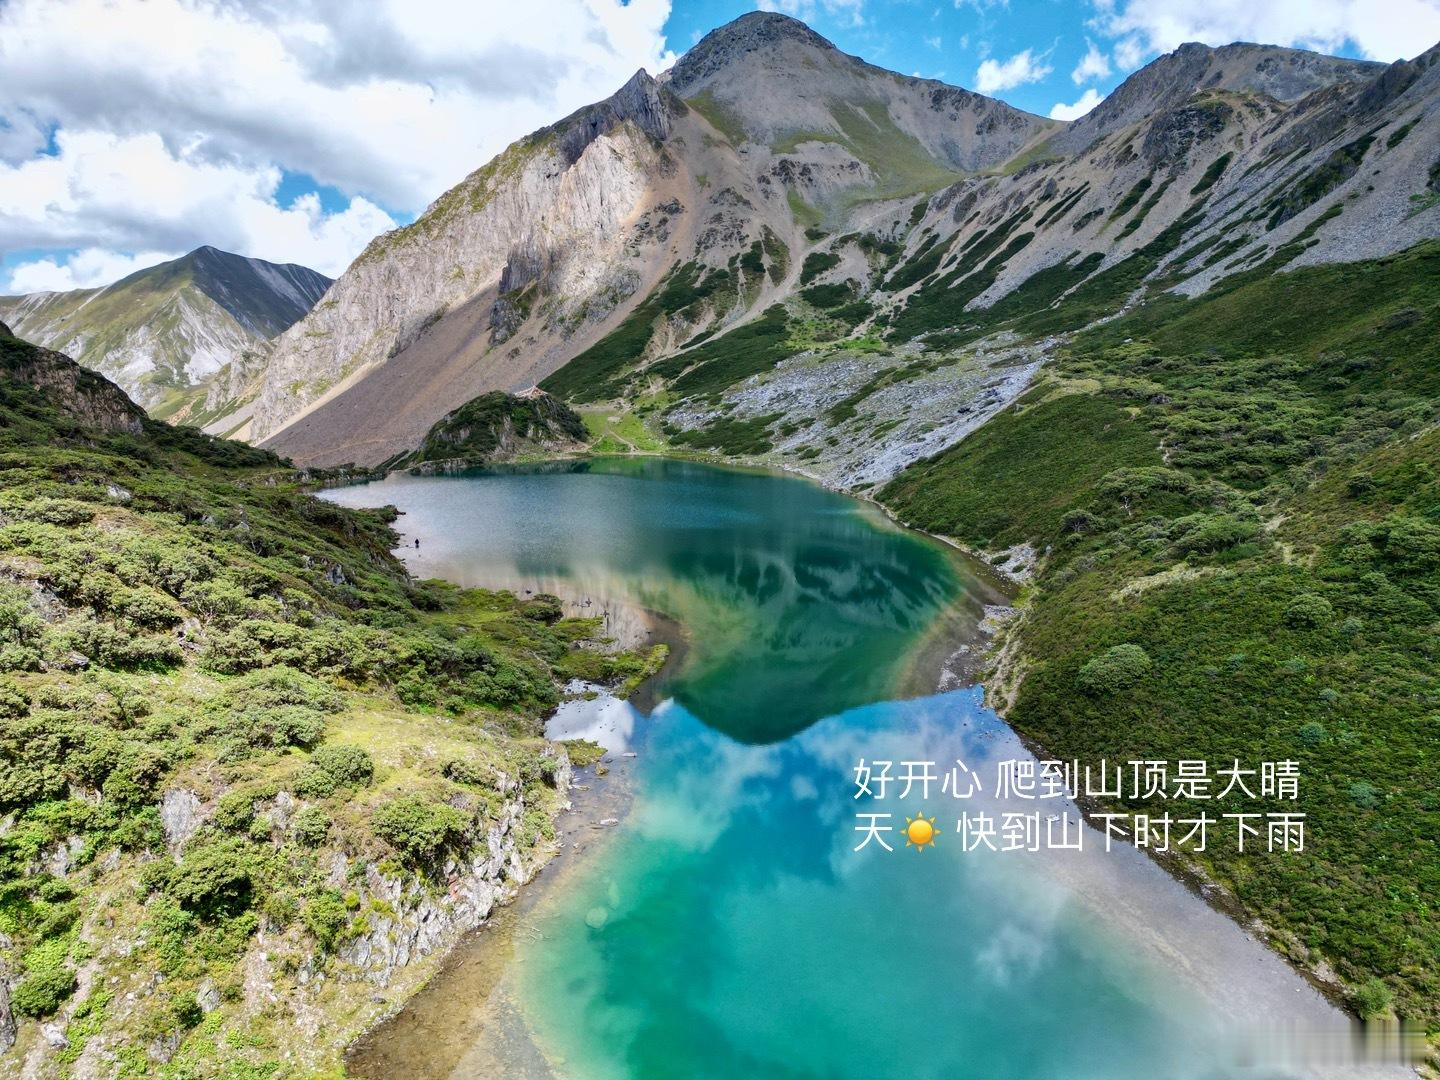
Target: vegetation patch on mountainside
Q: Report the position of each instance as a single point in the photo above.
(499, 427)
(600, 371)
(1243, 490)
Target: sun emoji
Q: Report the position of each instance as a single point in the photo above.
(920, 832)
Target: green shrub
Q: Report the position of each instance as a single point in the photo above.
(1308, 610)
(40, 994)
(1364, 795)
(213, 878)
(466, 772)
(310, 827)
(147, 608)
(326, 917)
(279, 686)
(14, 702)
(314, 783)
(349, 765)
(67, 512)
(1372, 999)
(817, 263)
(1117, 668)
(234, 811)
(542, 607)
(1204, 534)
(416, 827)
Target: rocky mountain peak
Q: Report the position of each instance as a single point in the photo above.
(638, 101)
(1243, 67)
(757, 32)
(164, 329)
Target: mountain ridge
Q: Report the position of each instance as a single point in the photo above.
(766, 163)
(165, 329)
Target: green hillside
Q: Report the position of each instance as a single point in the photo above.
(1246, 487)
(214, 689)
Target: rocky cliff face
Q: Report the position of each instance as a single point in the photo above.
(166, 329)
(771, 196)
(545, 221)
(87, 398)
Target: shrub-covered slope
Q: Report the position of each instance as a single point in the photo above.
(1237, 498)
(251, 774)
(497, 427)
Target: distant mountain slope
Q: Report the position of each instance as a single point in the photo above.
(770, 197)
(169, 327)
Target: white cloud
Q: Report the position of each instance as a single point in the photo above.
(1385, 31)
(1088, 101)
(191, 110)
(934, 42)
(112, 193)
(994, 76)
(1129, 52)
(1093, 65)
(82, 270)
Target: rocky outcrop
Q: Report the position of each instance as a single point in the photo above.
(410, 921)
(1163, 84)
(179, 816)
(170, 327)
(7, 1015)
(89, 399)
(498, 427)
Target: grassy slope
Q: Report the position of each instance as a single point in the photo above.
(176, 613)
(1295, 414)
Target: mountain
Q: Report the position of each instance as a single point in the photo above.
(768, 168)
(544, 250)
(166, 329)
(82, 396)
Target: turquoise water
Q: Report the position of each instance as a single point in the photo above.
(729, 929)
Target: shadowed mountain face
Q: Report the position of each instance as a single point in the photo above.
(165, 329)
(772, 197)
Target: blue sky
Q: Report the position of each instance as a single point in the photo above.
(296, 132)
(937, 40)
(950, 40)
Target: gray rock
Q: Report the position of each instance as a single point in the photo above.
(7, 1016)
(180, 815)
(207, 995)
